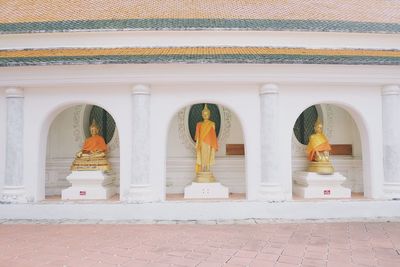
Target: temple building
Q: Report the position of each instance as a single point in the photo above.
(199, 109)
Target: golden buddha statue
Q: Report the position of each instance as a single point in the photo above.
(92, 156)
(318, 152)
(206, 146)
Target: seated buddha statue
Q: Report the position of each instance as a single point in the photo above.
(318, 149)
(93, 154)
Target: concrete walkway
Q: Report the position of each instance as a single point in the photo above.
(224, 243)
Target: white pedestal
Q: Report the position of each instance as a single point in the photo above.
(314, 185)
(89, 185)
(206, 190)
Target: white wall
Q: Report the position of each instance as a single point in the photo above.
(340, 128)
(229, 170)
(51, 89)
(61, 142)
(344, 130)
(2, 137)
(177, 148)
(166, 101)
(65, 138)
(44, 104)
(294, 99)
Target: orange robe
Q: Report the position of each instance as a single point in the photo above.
(207, 144)
(94, 143)
(318, 142)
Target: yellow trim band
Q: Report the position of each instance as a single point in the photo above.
(85, 52)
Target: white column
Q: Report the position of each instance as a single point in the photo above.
(140, 188)
(13, 190)
(391, 140)
(270, 188)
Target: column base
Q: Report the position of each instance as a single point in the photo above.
(392, 190)
(271, 192)
(140, 194)
(13, 194)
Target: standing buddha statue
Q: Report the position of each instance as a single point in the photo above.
(206, 147)
(318, 149)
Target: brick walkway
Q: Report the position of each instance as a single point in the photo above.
(185, 244)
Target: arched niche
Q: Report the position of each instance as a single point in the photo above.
(229, 168)
(67, 132)
(343, 134)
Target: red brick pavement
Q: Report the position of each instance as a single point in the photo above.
(229, 245)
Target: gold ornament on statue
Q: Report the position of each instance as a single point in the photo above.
(92, 156)
(318, 149)
(206, 147)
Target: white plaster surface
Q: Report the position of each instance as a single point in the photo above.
(176, 146)
(43, 104)
(140, 134)
(65, 138)
(348, 166)
(239, 99)
(270, 188)
(391, 139)
(230, 171)
(89, 185)
(205, 210)
(140, 140)
(53, 89)
(14, 143)
(3, 128)
(206, 191)
(180, 161)
(203, 38)
(356, 89)
(368, 121)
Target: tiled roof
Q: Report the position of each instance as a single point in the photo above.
(196, 55)
(308, 15)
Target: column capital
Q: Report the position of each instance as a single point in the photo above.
(391, 89)
(14, 92)
(141, 89)
(269, 88)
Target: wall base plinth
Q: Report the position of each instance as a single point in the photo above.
(206, 190)
(13, 194)
(271, 192)
(357, 209)
(140, 194)
(314, 185)
(392, 190)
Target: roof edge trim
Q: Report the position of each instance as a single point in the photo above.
(199, 24)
